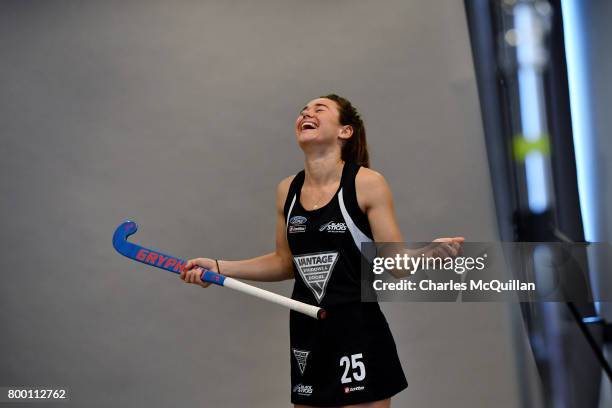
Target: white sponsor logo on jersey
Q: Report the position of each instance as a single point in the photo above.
(351, 389)
(303, 389)
(301, 356)
(315, 270)
(333, 227)
(297, 224)
(294, 229)
(297, 220)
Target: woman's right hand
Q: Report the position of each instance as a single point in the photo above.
(192, 270)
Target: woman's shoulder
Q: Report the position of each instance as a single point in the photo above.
(371, 188)
(282, 189)
(285, 183)
(367, 178)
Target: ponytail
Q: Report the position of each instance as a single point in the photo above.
(355, 149)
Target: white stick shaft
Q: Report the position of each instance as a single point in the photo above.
(309, 310)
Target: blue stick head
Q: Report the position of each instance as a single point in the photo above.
(122, 233)
(141, 254)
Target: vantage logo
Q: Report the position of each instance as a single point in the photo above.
(301, 356)
(316, 269)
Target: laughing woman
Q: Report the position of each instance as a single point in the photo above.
(324, 213)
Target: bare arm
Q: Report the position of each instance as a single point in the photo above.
(275, 266)
(376, 201)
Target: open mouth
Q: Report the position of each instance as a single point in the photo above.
(307, 125)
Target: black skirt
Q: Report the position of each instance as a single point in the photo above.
(348, 358)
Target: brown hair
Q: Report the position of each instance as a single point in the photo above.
(356, 148)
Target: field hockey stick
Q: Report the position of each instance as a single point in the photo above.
(175, 265)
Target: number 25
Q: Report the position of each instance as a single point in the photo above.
(358, 368)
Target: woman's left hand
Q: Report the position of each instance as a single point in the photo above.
(447, 247)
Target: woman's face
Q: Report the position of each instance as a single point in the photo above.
(319, 122)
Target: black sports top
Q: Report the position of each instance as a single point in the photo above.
(326, 243)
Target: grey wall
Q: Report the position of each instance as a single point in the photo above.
(180, 116)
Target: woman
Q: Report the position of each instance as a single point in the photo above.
(324, 213)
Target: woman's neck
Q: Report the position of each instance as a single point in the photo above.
(323, 170)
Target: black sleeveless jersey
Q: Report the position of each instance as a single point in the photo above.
(326, 243)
